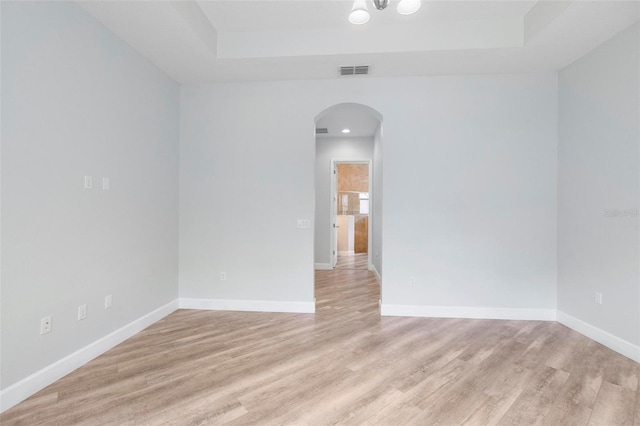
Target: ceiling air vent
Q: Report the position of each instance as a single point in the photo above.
(322, 131)
(354, 70)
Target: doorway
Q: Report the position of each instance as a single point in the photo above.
(351, 190)
(348, 133)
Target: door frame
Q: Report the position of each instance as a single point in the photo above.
(333, 206)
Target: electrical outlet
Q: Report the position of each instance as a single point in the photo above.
(223, 276)
(45, 325)
(106, 184)
(108, 301)
(82, 312)
(412, 281)
(598, 298)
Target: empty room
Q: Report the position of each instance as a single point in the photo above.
(312, 212)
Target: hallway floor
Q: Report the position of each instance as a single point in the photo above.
(354, 261)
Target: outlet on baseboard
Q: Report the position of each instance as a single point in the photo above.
(598, 298)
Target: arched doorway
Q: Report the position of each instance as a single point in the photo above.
(348, 133)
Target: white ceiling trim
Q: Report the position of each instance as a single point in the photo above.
(541, 15)
(261, 40)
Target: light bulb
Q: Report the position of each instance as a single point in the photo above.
(407, 7)
(359, 14)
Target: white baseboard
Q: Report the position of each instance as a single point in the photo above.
(28, 386)
(468, 312)
(615, 343)
(248, 305)
(346, 253)
(323, 266)
(373, 269)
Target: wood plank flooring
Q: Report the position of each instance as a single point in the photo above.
(344, 365)
(354, 261)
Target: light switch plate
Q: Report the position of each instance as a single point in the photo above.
(598, 298)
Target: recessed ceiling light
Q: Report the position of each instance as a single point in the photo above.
(346, 131)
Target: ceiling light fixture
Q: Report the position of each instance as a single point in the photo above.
(407, 7)
(380, 4)
(360, 15)
(346, 131)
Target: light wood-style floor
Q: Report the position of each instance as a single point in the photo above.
(344, 365)
(354, 261)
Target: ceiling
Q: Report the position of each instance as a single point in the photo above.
(201, 41)
(242, 40)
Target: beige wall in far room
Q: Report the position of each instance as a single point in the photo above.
(353, 177)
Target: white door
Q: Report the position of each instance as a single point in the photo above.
(334, 217)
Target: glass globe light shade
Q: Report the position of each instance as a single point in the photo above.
(407, 7)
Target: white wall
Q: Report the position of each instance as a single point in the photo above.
(77, 101)
(469, 204)
(326, 150)
(246, 176)
(598, 249)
